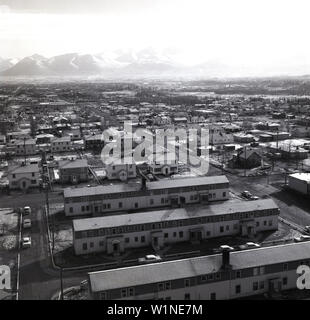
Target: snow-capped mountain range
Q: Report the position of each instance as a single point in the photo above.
(119, 63)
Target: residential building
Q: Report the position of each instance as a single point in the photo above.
(121, 171)
(62, 144)
(73, 171)
(115, 234)
(26, 147)
(246, 158)
(229, 275)
(164, 193)
(24, 177)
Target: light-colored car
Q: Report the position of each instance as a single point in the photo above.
(150, 258)
(254, 198)
(27, 224)
(26, 242)
(249, 245)
(307, 229)
(223, 247)
(246, 194)
(302, 238)
(27, 211)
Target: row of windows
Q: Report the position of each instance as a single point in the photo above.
(155, 226)
(257, 285)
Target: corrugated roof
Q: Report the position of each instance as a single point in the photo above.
(179, 269)
(172, 214)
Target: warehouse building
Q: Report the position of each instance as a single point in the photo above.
(115, 234)
(229, 275)
(300, 182)
(154, 194)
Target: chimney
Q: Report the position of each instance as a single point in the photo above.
(226, 256)
(143, 183)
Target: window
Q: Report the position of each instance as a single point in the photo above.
(255, 286)
(101, 243)
(84, 246)
(224, 194)
(187, 282)
(261, 285)
(217, 276)
(187, 296)
(238, 289)
(174, 234)
(71, 210)
(160, 287)
(120, 204)
(212, 296)
(124, 293)
(131, 292)
(265, 223)
(257, 223)
(127, 240)
(91, 245)
(285, 266)
(221, 229)
(255, 271)
(103, 296)
(83, 208)
(166, 235)
(33, 181)
(14, 176)
(203, 278)
(208, 233)
(284, 281)
(151, 201)
(162, 200)
(32, 174)
(143, 239)
(227, 228)
(136, 205)
(181, 234)
(238, 274)
(167, 285)
(136, 239)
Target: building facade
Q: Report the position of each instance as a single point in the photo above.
(73, 171)
(229, 275)
(115, 234)
(24, 177)
(124, 197)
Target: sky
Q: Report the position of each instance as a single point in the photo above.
(258, 35)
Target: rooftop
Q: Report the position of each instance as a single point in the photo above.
(71, 164)
(301, 176)
(24, 169)
(153, 185)
(171, 214)
(186, 268)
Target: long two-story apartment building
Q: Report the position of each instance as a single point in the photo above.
(126, 197)
(229, 275)
(115, 234)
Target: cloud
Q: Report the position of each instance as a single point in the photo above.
(4, 9)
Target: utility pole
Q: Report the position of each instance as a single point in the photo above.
(61, 285)
(245, 161)
(25, 150)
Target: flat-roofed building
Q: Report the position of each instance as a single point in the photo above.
(300, 182)
(163, 193)
(229, 275)
(114, 234)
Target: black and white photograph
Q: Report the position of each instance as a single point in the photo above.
(155, 151)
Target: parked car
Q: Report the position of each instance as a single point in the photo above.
(254, 198)
(307, 229)
(249, 245)
(27, 223)
(301, 238)
(27, 211)
(150, 258)
(223, 247)
(26, 242)
(246, 194)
